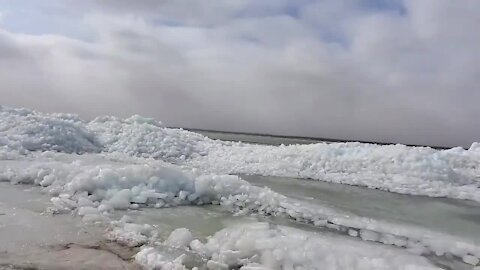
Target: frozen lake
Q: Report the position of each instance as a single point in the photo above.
(454, 217)
(33, 238)
(132, 204)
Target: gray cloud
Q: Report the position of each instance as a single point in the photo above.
(335, 69)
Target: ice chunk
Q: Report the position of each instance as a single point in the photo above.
(150, 259)
(121, 199)
(22, 129)
(470, 259)
(213, 265)
(131, 234)
(87, 210)
(352, 232)
(180, 237)
(369, 235)
(258, 246)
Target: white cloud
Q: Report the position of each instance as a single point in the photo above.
(361, 73)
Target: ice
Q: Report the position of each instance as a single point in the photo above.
(25, 130)
(150, 259)
(260, 246)
(395, 168)
(201, 221)
(352, 232)
(402, 169)
(472, 260)
(369, 235)
(110, 185)
(180, 237)
(475, 147)
(121, 199)
(213, 265)
(87, 210)
(25, 227)
(93, 169)
(131, 234)
(441, 214)
(142, 137)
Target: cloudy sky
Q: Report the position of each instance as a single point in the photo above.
(394, 71)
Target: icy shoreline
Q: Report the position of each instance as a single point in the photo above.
(94, 168)
(34, 239)
(452, 173)
(94, 186)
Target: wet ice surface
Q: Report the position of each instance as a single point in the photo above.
(202, 221)
(25, 225)
(205, 221)
(454, 217)
(33, 239)
(46, 238)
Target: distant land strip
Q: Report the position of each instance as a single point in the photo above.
(312, 139)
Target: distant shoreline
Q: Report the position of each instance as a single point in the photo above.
(312, 139)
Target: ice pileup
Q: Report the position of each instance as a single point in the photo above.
(425, 171)
(147, 138)
(25, 130)
(260, 247)
(93, 168)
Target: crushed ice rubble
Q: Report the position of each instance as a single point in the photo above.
(93, 168)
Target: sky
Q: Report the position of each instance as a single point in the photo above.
(389, 71)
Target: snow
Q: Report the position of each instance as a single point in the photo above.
(93, 169)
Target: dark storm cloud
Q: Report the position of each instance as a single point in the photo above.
(407, 72)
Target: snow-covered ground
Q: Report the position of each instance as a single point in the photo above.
(99, 169)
